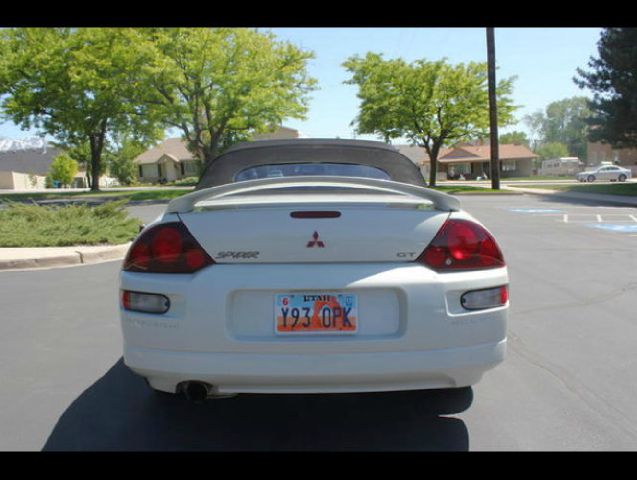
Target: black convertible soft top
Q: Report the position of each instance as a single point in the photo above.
(222, 170)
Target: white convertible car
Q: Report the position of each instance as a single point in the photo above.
(313, 266)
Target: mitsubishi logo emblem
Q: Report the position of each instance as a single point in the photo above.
(316, 242)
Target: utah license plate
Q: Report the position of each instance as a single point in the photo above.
(334, 313)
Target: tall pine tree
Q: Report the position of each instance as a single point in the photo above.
(613, 80)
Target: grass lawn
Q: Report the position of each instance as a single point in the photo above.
(128, 195)
(537, 177)
(24, 225)
(629, 189)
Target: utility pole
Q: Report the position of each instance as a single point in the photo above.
(493, 112)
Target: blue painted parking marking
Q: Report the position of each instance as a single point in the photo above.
(535, 210)
(614, 227)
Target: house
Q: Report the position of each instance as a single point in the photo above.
(472, 161)
(171, 160)
(24, 164)
(598, 152)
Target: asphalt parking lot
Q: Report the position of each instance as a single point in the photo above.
(568, 383)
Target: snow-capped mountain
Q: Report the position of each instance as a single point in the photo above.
(30, 143)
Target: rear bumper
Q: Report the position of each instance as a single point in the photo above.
(413, 332)
(317, 373)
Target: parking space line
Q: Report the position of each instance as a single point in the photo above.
(599, 218)
(566, 218)
(633, 217)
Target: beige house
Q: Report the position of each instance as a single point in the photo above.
(472, 161)
(25, 164)
(171, 160)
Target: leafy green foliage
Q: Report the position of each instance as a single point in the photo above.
(613, 79)
(185, 182)
(120, 161)
(535, 123)
(565, 122)
(220, 86)
(63, 169)
(516, 138)
(24, 225)
(77, 85)
(552, 150)
(430, 103)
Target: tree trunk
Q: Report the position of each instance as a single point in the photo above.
(96, 157)
(95, 166)
(433, 163)
(433, 170)
(96, 141)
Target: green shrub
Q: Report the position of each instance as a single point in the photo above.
(24, 225)
(185, 182)
(63, 169)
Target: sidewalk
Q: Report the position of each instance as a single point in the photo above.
(624, 200)
(47, 257)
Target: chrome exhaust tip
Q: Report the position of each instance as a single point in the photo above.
(196, 392)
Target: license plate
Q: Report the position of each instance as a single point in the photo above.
(333, 313)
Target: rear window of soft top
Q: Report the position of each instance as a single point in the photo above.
(302, 169)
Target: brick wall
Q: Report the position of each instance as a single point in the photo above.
(603, 152)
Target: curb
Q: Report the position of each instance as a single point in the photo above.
(44, 257)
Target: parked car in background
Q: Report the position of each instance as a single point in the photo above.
(605, 173)
(313, 266)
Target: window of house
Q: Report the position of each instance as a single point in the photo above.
(508, 165)
(190, 168)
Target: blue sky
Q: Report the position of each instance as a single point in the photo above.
(543, 59)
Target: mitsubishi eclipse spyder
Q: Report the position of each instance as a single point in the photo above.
(313, 266)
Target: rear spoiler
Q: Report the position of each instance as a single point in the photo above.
(441, 201)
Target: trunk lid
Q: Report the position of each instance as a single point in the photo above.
(331, 226)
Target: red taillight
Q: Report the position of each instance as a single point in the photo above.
(462, 245)
(166, 248)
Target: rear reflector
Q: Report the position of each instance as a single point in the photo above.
(462, 245)
(144, 302)
(487, 298)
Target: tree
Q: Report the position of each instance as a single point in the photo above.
(63, 169)
(430, 103)
(120, 160)
(516, 138)
(613, 79)
(77, 85)
(552, 150)
(565, 122)
(81, 153)
(535, 123)
(219, 86)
